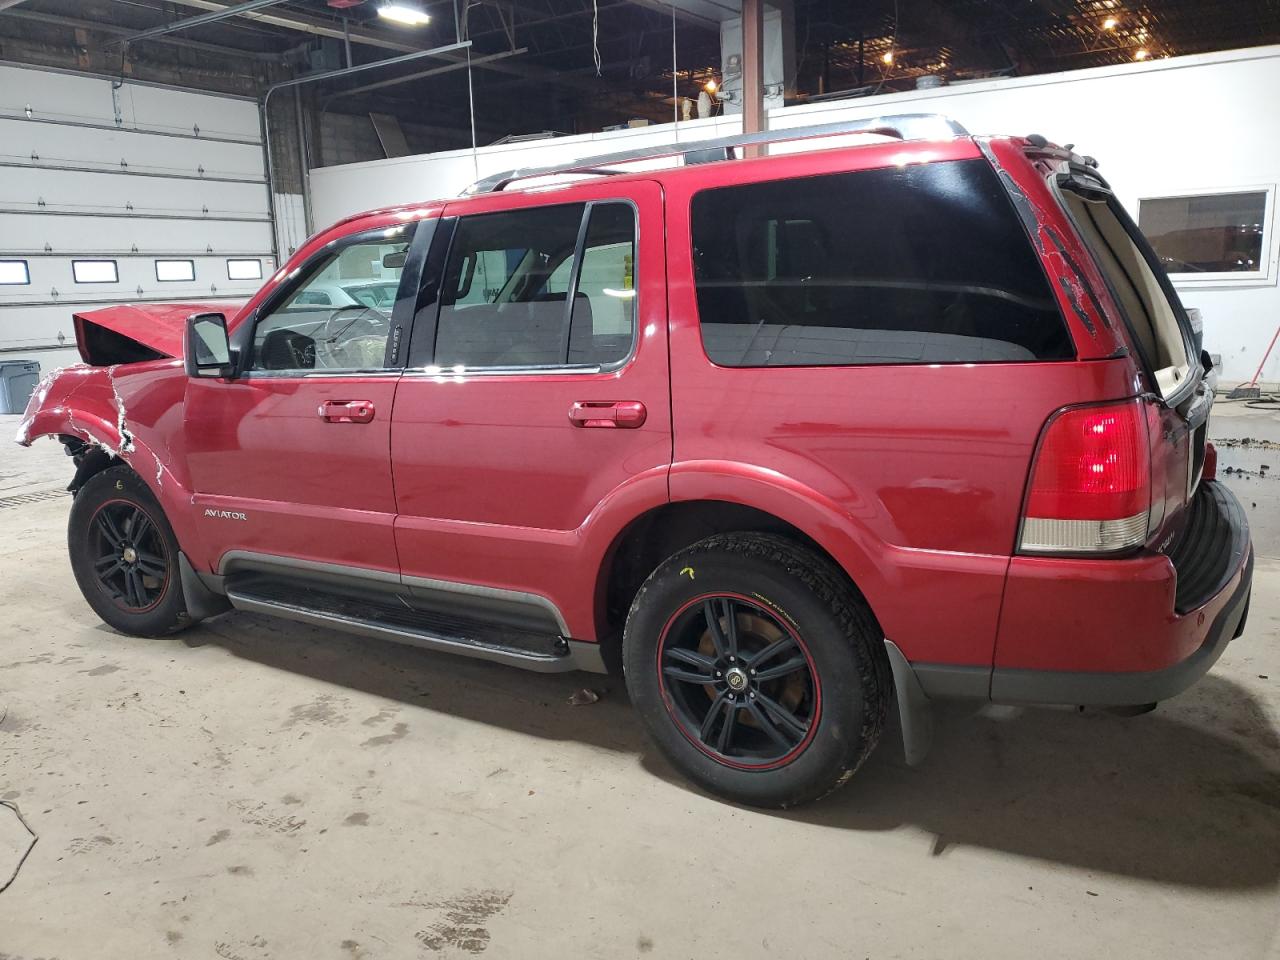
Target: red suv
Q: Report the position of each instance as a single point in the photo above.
(785, 435)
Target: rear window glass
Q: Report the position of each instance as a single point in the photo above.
(915, 264)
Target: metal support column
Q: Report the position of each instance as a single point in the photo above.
(753, 68)
(329, 75)
(304, 164)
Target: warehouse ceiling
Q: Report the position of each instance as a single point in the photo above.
(535, 61)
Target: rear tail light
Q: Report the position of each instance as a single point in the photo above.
(1091, 482)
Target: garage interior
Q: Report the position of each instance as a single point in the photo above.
(254, 788)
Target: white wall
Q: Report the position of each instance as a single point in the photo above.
(1173, 125)
(339, 191)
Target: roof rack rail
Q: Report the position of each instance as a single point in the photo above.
(904, 126)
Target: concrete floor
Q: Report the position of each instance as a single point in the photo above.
(255, 789)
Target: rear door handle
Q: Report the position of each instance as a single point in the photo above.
(347, 411)
(609, 414)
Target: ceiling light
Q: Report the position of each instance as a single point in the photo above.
(1110, 23)
(1140, 53)
(888, 57)
(404, 14)
(710, 86)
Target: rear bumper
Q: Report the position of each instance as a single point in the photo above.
(1120, 633)
(1135, 687)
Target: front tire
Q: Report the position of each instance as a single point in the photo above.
(757, 668)
(125, 556)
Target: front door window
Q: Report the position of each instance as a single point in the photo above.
(338, 318)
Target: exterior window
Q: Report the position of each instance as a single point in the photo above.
(604, 307)
(603, 319)
(1211, 236)
(172, 271)
(95, 271)
(918, 264)
(337, 318)
(244, 269)
(515, 294)
(14, 272)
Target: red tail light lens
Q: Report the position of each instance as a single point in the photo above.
(1091, 482)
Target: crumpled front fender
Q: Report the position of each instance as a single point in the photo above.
(77, 401)
(131, 412)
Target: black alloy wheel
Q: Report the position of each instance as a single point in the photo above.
(739, 682)
(130, 557)
(125, 556)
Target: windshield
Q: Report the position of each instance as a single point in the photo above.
(382, 295)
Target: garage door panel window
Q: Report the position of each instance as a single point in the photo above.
(244, 269)
(175, 271)
(922, 264)
(338, 316)
(14, 272)
(518, 294)
(95, 271)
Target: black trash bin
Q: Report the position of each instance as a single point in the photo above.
(18, 379)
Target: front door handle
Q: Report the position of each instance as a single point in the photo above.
(609, 414)
(347, 411)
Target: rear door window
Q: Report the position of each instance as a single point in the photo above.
(539, 287)
(605, 300)
(916, 264)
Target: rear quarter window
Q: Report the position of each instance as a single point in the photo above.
(917, 264)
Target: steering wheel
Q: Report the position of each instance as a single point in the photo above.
(341, 329)
(339, 326)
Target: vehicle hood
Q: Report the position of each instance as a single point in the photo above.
(133, 332)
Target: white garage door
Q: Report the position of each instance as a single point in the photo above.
(142, 193)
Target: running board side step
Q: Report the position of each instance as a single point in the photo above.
(555, 655)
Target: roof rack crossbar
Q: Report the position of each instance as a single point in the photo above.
(905, 126)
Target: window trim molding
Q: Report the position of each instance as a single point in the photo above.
(115, 267)
(462, 374)
(1266, 276)
(26, 269)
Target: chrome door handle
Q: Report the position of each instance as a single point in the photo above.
(609, 414)
(346, 411)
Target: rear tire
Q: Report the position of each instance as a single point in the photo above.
(125, 556)
(757, 668)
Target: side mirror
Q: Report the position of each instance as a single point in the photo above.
(208, 348)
